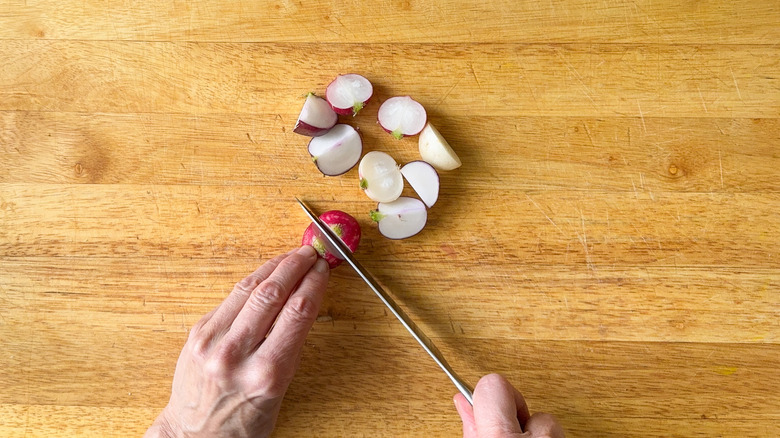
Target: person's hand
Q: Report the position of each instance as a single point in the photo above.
(501, 412)
(234, 369)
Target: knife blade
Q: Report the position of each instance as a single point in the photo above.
(342, 251)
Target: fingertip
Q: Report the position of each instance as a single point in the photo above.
(321, 266)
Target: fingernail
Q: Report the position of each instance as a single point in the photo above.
(307, 251)
(321, 266)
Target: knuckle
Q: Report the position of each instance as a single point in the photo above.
(302, 309)
(269, 294)
(214, 368)
(270, 379)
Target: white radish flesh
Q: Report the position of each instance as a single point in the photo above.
(348, 94)
(401, 218)
(435, 150)
(424, 180)
(337, 151)
(380, 177)
(402, 116)
(316, 117)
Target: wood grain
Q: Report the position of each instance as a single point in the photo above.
(609, 244)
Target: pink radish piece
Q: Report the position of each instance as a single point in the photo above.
(380, 177)
(348, 94)
(424, 180)
(316, 118)
(402, 116)
(401, 218)
(344, 225)
(337, 151)
(436, 151)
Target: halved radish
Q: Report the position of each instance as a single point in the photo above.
(436, 151)
(337, 151)
(316, 118)
(346, 228)
(380, 177)
(348, 94)
(402, 116)
(401, 218)
(424, 180)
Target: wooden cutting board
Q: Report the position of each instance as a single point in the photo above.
(609, 244)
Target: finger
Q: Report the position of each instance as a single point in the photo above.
(227, 311)
(283, 345)
(544, 425)
(499, 409)
(466, 413)
(266, 301)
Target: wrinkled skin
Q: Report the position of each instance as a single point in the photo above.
(230, 378)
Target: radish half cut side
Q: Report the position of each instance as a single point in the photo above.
(348, 94)
(424, 180)
(337, 151)
(316, 117)
(401, 218)
(402, 116)
(380, 177)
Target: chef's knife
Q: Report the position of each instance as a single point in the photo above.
(339, 249)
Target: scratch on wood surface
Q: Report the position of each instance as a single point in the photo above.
(587, 91)
(474, 73)
(735, 83)
(545, 214)
(587, 131)
(634, 186)
(720, 165)
(449, 91)
(701, 96)
(584, 240)
(642, 117)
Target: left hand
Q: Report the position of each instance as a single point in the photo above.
(232, 373)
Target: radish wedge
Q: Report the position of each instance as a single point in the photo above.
(337, 151)
(401, 218)
(316, 117)
(402, 116)
(348, 94)
(435, 150)
(380, 177)
(424, 180)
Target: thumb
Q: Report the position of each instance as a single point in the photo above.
(466, 416)
(499, 408)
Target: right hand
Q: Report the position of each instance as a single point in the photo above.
(500, 411)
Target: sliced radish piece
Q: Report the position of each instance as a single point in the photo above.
(348, 94)
(316, 117)
(380, 177)
(424, 180)
(401, 218)
(402, 116)
(336, 151)
(436, 151)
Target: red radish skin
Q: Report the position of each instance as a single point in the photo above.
(349, 93)
(316, 117)
(344, 225)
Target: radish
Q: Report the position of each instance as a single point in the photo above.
(424, 180)
(401, 218)
(344, 225)
(348, 94)
(402, 116)
(337, 151)
(380, 177)
(316, 118)
(436, 151)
